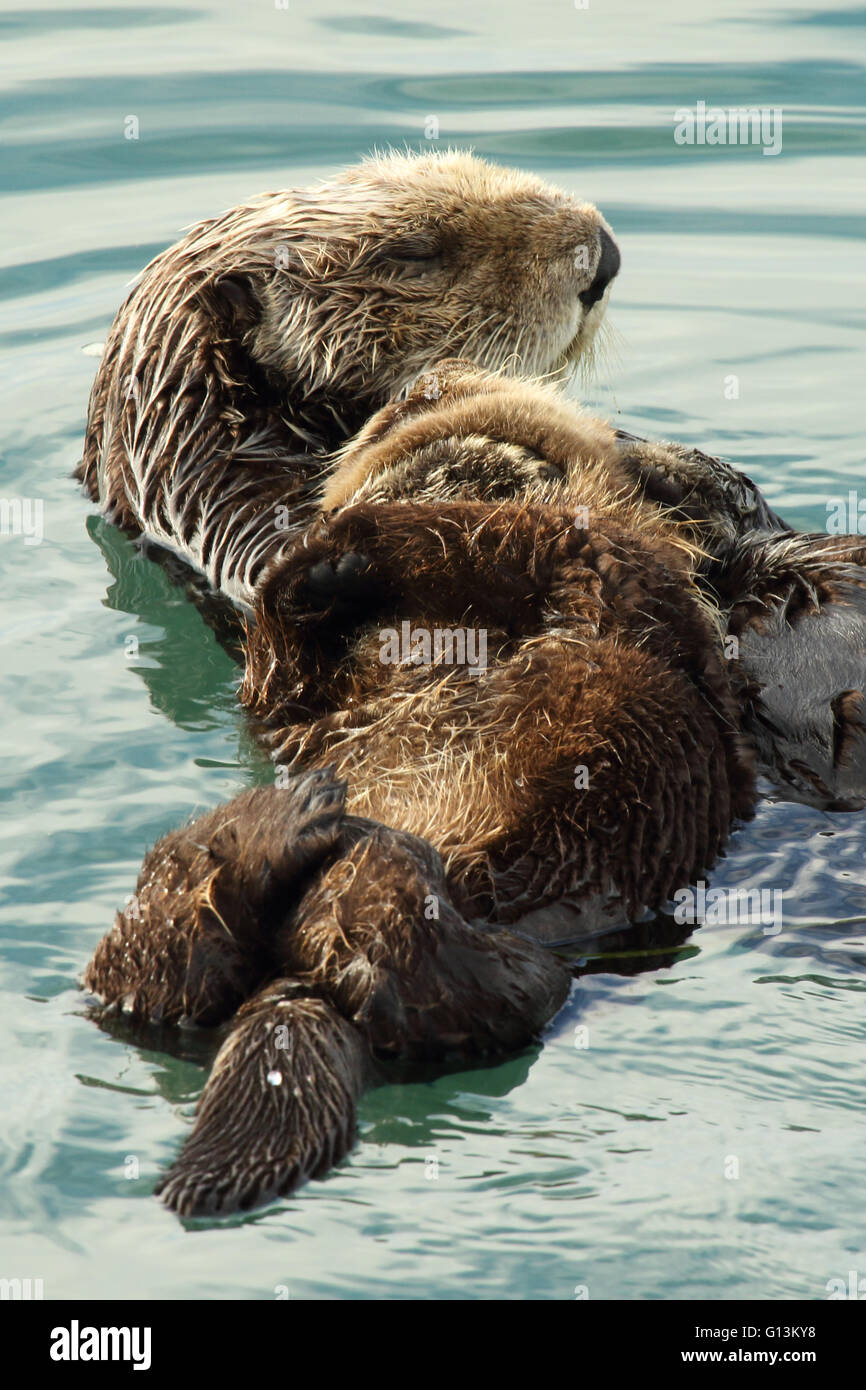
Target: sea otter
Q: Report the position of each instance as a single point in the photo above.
(435, 820)
(267, 335)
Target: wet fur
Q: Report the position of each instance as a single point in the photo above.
(341, 937)
(266, 336)
(797, 611)
(400, 924)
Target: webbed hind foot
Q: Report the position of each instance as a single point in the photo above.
(279, 1107)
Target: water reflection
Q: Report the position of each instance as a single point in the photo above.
(189, 658)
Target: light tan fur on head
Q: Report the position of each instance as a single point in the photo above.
(408, 258)
(456, 399)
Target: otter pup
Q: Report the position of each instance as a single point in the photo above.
(589, 766)
(262, 339)
(586, 768)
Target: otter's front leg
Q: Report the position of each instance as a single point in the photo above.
(197, 936)
(716, 499)
(463, 564)
(367, 558)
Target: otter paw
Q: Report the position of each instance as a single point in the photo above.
(344, 591)
(315, 807)
(327, 583)
(266, 839)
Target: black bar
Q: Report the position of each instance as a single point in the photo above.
(259, 1339)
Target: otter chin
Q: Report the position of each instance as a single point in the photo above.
(264, 338)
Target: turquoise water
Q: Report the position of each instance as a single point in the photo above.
(608, 1167)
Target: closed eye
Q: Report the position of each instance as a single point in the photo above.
(417, 253)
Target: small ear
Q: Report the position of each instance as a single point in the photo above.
(236, 299)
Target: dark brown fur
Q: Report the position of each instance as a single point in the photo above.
(594, 638)
(401, 924)
(351, 929)
(342, 936)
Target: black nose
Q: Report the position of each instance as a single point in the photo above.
(608, 267)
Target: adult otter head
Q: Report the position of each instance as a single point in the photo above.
(357, 285)
(265, 337)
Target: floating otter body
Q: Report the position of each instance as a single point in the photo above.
(593, 623)
(589, 766)
(266, 336)
(793, 606)
(434, 819)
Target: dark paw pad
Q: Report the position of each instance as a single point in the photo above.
(327, 582)
(347, 589)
